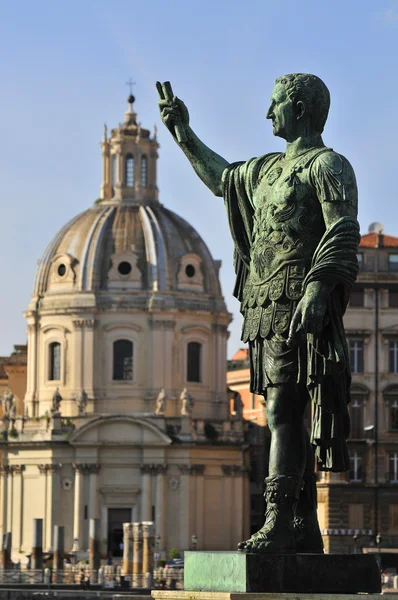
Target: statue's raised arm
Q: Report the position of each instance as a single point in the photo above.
(208, 165)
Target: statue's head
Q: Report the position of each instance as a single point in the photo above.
(299, 105)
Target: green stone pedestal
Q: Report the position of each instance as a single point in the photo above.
(297, 573)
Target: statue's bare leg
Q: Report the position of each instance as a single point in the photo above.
(288, 452)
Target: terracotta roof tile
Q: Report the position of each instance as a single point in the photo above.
(374, 240)
(241, 354)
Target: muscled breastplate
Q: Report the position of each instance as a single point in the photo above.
(287, 227)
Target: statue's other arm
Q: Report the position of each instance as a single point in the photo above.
(208, 165)
(334, 181)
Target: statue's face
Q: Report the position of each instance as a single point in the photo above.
(281, 111)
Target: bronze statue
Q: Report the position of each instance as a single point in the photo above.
(292, 217)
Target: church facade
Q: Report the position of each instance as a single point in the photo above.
(125, 416)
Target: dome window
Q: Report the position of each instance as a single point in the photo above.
(61, 270)
(122, 360)
(55, 362)
(194, 356)
(190, 271)
(124, 268)
(129, 174)
(144, 171)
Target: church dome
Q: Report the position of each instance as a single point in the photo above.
(127, 247)
(128, 241)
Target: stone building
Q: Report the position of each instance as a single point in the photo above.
(252, 408)
(126, 416)
(359, 509)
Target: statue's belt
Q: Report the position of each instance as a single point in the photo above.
(285, 282)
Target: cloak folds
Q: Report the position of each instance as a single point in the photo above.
(326, 359)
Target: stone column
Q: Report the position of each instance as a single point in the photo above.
(78, 514)
(4, 472)
(94, 543)
(184, 514)
(127, 549)
(77, 380)
(146, 498)
(31, 383)
(238, 473)
(148, 547)
(37, 544)
(52, 491)
(93, 508)
(17, 494)
(58, 560)
(5, 558)
(137, 554)
(198, 471)
(160, 506)
(89, 351)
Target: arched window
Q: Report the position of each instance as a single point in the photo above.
(54, 362)
(129, 171)
(122, 360)
(194, 356)
(144, 171)
(114, 171)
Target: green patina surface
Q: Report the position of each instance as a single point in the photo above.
(215, 571)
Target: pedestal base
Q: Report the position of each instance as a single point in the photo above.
(296, 573)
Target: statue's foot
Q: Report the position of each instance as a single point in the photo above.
(270, 542)
(277, 534)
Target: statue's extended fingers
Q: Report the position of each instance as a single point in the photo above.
(160, 90)
(167, 91)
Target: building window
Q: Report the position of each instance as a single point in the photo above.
(393, 262)
(393, 518)
(356, 418)
(129, 174)
(122, 360)
(144, 171)
(393, 357)
(360, 260)
(394, 415)
(393, 299)
(357, 298)
(114, 170)
(355, 516)
(356, 355)
(355, 467)
(55, 361)
(393, 467)
(194, 351)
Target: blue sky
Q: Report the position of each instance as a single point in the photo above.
(63, 70)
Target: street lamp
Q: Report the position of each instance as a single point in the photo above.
(194, 540)
(157, 548)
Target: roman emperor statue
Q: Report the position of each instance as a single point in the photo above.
(293, 220)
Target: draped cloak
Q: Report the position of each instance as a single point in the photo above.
(335, 262)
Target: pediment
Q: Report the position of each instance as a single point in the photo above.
(119, 430)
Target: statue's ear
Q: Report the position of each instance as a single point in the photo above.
(300, 108)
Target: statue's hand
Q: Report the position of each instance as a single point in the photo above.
(309, 316)
(173, 111)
